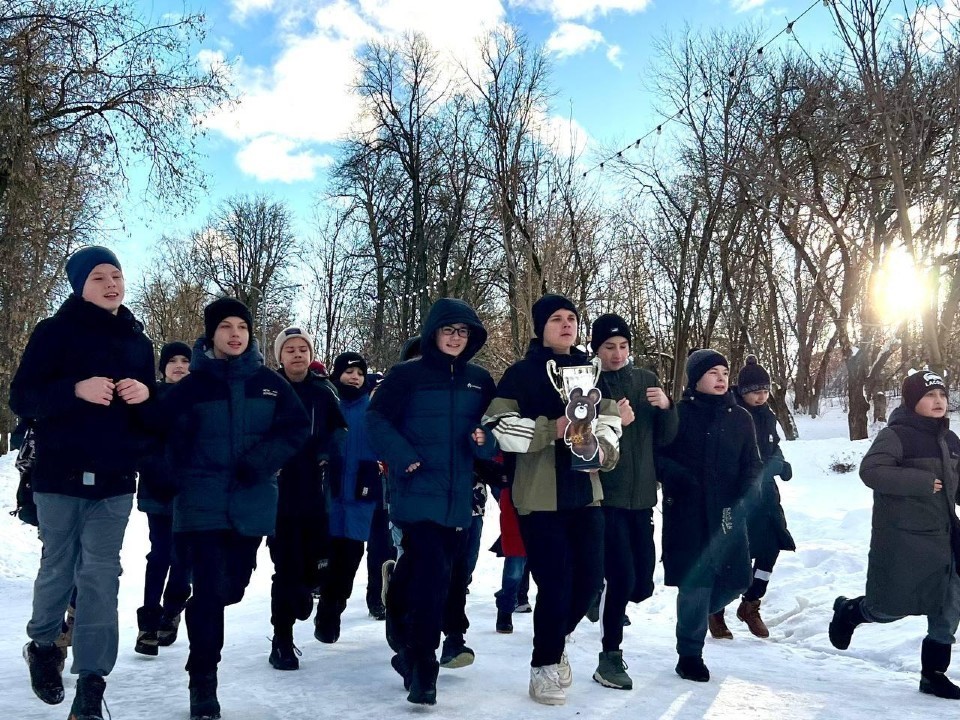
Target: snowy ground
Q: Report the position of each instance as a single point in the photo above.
(795, 674)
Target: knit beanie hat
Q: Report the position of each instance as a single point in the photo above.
(347, 360)
(752, 377)
(606, 327)
(82, 263)
(919, 384)
(215, 312)
(288, 334)
(699, 361)
(547, 306)
(168, 351)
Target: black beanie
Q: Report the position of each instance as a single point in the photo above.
(169, 350)
(606, 327)
(699, 361)
(215, 312)
(82, 263)
(347, 360)
(919, 384)
(752, 377)
(547, 306)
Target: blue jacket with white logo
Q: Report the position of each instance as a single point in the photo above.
(424, 412)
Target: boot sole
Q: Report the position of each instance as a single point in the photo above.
(143, 649)
(548, 700)
(606, 683)
(458, 661)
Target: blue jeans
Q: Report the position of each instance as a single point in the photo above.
(694, 606)
(81, 546)
(510, 582)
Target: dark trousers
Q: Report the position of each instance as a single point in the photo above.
(379, 549)
(694, 605)
(421, 584)
(565, 556)
(295, 550)
(221, 563)
(336, 580)
(162, 559)
(762, 567)
(455, 620)
(630, 557)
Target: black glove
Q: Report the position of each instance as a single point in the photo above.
(787, 472)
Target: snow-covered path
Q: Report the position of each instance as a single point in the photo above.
(795, 674)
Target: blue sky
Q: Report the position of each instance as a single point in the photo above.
(293, 59)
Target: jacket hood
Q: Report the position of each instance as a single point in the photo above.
(447, 311)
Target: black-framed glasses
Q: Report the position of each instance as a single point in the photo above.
(450, 331)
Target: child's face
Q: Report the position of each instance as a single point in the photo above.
(714, 381)
(177, 369)
(231, 338)
(104, 287)
(560, 331)
(756, 398)
(452, 339)
(352, 376)
(295, 356)
(614, 353)
(933, 404)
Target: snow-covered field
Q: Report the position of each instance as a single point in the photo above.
(795, 674)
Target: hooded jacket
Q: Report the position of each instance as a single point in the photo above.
(909, 565)
(74, 436)
(424, 412)
(235, 423)
(523, 418)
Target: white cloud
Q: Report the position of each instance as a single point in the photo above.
(581, 9)
(270, 157)
(243, 8)
(741, 6)
(613, 55)
(572, 39)
(565, 135)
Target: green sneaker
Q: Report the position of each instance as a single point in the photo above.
(611, 671)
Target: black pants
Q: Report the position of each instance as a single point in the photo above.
(630, 557)
(295, 550)
(421, 584)
(221, 563)
(455, 622)
(565, 557)
(336, 580)
(379, 550)
(762, 567)
(161, 559)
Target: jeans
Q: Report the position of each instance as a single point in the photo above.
(694, 606)
(510, 583)
(81, 546)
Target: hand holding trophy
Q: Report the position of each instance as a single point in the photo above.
(577, 386)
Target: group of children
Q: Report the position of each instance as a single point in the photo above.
(229, 451)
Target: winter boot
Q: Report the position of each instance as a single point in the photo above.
(167, 634)
(691, 667)
(400, 663)
(283, 655)
(846, 617)
(545, 685)
(934, 661)
(423, 681)
(455, 654)
(203, 697)
(504, 623)
(749, 612)
(718, 627)
(45, 663)
(326, 625)
(148, 624)
(88, 702)
(564, 671)
(611, 671)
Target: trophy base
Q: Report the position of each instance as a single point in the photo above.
(581, 465)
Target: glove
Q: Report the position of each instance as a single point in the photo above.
(787, 472)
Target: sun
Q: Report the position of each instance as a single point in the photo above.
(900, 290)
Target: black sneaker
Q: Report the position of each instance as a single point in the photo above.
(283, 655)
(504, 623)
(203, 697)
(455, 654)
(88, 702)
(45, 662)
(326, 624)
(691, 667)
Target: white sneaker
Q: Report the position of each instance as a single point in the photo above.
(564, 671)
(545, 685)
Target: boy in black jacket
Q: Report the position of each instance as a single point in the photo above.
(86, 406)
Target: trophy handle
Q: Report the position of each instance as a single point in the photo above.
(553, 374)
(597, 369)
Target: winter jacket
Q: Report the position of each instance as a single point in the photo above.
(424, 412)
(910, 550)
(523, 418)
(707, 472)
(234, 425)
(350, 514)
(632, 484)
(766, 522)
(74, 436)
(303, 478)
(154, 484)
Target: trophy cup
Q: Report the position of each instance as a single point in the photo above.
(577, 385)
